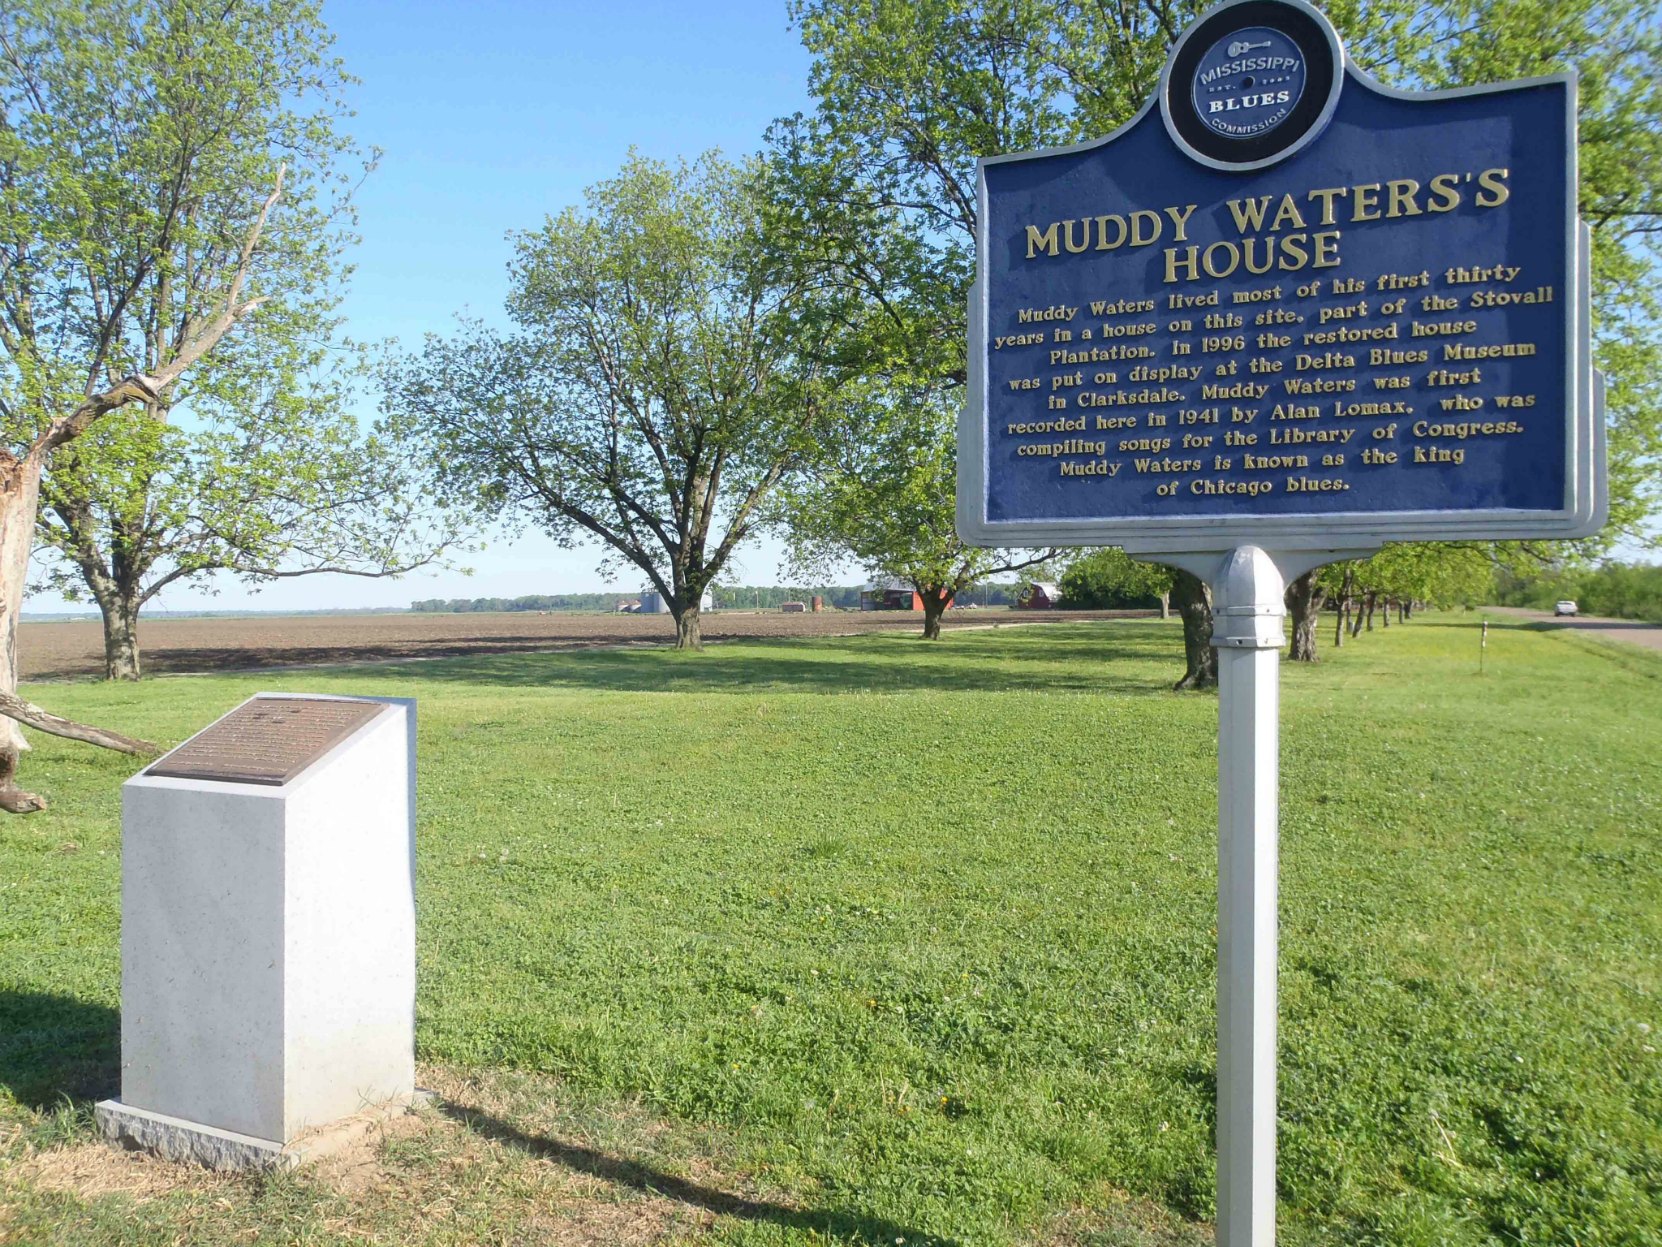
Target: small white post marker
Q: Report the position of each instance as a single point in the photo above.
(268, 932)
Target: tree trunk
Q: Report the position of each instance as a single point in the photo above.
(935, 598)
(689, 629)
(1304, 602)
(1347, 590)
(1385, 613)
(1165, 604)
(19, 500)
(121, 647)
(1194, 604)
(1373, 600)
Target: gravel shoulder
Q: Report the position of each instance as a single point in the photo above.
(1634, 631)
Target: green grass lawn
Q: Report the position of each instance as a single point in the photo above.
(868, 940)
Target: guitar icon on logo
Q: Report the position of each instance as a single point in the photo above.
(1241, 46)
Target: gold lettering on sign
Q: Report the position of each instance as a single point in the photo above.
(1229, 386)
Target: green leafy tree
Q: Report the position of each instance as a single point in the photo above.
(1616, 49)
(270, 480)
(667, 371)
(909, 93)
(909, 96)
(247, 463)
(168, 174)
(1109, 577)
(883, 496)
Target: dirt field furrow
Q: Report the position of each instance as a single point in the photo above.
(75, 649)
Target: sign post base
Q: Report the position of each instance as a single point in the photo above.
(1248, 607)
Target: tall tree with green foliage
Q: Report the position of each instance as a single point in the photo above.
(1109, 577)
(248, 463)
(882, 494)
(1615, 46)
(169, 187)
(667, 371)
(909, 93)
(274, 483)
(908, 96)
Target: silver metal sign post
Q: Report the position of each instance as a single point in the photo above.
(1248, 607)
(1246, 631)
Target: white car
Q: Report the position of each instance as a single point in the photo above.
(1565, 607)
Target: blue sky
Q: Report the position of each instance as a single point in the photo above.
(491, 115)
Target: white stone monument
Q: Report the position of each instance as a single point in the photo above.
(268, 931)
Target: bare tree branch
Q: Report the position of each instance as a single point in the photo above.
(25, 712)
(148, 389)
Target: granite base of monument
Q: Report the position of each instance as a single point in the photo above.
(192, 1143)
(268, 933)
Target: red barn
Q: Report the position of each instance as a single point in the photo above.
(891, 597)
(1040, 595)
(897, 595)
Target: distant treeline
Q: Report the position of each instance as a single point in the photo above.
(530, 602)
(723, 597)
(770, 597)
(1620, 590)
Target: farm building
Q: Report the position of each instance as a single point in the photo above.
(1040, 595)
(896, 595)
(653, 603)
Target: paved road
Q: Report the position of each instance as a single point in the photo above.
(1647, 634)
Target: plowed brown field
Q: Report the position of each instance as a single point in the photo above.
(75, 650)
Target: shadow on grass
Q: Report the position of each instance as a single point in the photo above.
(1516, 623)
(57, 1048)
(1591, 625)
(1116, 659)
(845, 1227)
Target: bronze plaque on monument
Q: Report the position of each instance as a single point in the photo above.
(268, 740)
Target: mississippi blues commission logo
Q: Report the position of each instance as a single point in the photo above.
(1248, 82)
(1252, 82)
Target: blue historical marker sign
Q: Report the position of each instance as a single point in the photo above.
(1285, 305)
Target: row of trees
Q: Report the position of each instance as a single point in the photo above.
(525, 602)
(722, 597)
(771, 597)
(846, 597)
(1621, 590)
(1397, 578)
(700, 351)
(175, 209)
(634, 366)
(1400, 577)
